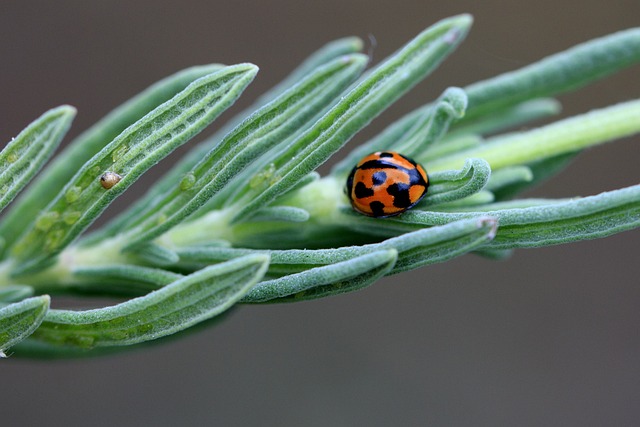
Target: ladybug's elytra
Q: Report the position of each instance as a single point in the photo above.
(385, 184)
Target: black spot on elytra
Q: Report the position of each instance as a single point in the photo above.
(349, 186)
(378, 164)
(362, 191)
(377, 208)
(400, 193)
(379, 178)
(415, 178)
(385, 154)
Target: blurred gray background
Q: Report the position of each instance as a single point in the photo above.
(549, 337)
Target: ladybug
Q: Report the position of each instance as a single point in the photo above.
(385, 184)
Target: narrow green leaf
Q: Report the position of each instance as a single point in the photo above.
(352, 268)
(558, 73)
(439, 244)
(156, 254)
(416, 139)
(588, 218)
(450, 145)
(512, 175)
(449, 242)
(37, 349)
(355, 110)
(15, 293)
(311, 177)
(552, 223)
(19, 320)
(541, 171)
(328, 53)
(130, 273)
(121, 280)
(564, 136)
(399, 130)
(325, 55)
(482, 197)
(173, 308)
(332, 279)
(448, 108)
(417, 248)
(62, 168)
(263, 130)
(510, 204)
(454, 185)
(282, 213)
(131, 154)
(562, 72)
(510, 117)
(23, 157)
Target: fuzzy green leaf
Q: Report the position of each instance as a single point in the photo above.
(131, 154)
(540, 171)
(510, 117)
(15, 293)
(448, 108)
(512, 175)
(175, 307)
(282, 213)
(19, 320)
(482, 197)
(415, 249)
(355, 110)
(263, 130)
(414, 140)
(558, 73)
(563, 136)
(23, 157)
(255, 197)
(121, 280)
(328, 53)
(454, 185)
(552, 223)
(320, 273)
(510, 204)
(449, 146)
(588, 218)
(82, 148)
(332, 279)
(156, 254)
(325, 55)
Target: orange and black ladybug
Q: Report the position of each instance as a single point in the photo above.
(385, 184)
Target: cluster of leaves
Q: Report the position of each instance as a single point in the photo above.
(245, 218)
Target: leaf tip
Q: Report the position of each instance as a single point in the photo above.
(355, 58)
(457, 101)
(66, 109)
(62, 114)
(460, 26)
(356, 43)
(463, 20)
(249, 68)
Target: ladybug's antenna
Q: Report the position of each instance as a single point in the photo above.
(373, 43)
